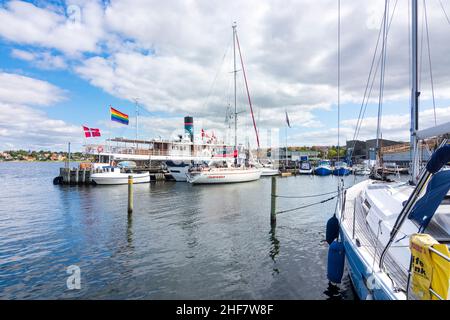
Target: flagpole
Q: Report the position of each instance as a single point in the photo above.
(109, 137)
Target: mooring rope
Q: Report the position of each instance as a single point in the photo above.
(307, 196)
(307, 205)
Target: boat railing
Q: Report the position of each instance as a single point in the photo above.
(105, 149)
(447, 259)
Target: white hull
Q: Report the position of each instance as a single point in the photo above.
(269, 172)
(178, 173)
(216, 176)
(305, 171)
(115, 178)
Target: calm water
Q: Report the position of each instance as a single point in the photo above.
(182, 241)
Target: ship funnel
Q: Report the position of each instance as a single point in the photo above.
(189, 127)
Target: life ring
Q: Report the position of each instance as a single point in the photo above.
(100, 149)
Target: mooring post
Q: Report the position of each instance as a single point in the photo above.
(130, 194)
(273, 202)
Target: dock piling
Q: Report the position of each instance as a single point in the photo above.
(273, 202)
(130, 194)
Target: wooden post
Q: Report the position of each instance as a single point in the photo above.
(273, 202)
(130, 194)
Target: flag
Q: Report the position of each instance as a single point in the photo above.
(118, 116)
(203, 133)
(287, 120)
(91, 132)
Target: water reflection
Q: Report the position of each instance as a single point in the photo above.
(181, 241)
(274, 248)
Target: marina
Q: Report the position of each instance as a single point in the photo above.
(229, 163)
(179, 238)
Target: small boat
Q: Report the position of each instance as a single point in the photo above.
(178, 169)
(341, 169)
(361, 171)
(115, 176)
(213, 174)
(267, 169)
(305, 168)
(324, 168)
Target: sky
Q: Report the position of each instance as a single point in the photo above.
(63, 63)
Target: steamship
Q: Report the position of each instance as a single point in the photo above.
(177, 155)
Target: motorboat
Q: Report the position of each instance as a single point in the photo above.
(116, 176)
(323, 168)
(305, 168)
(341, 169)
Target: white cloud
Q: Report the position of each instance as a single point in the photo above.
(168, 54)
(393, 127)
(26, 23)
(24, 126)
(15, 88)
(43, 60)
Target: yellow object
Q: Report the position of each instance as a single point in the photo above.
(440, 282)
(428, 270)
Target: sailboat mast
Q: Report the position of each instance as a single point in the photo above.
(235, 99)
(414, 96)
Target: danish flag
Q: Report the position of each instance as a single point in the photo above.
(91, 132)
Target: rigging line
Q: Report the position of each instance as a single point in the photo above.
(421, 53)
(443, 9)
(366, 96)
(307, 196)
(339, 77)
(409, 51)
(217, 74)
(246, 86)
(382, 70)
(429, 61)
(307, 206)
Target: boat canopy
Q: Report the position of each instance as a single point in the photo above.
(127, 164)
(425, 207)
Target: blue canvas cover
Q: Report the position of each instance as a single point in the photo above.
(439, 158)
(426, 206)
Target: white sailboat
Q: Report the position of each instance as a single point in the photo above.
(381, 226)
(228, 172)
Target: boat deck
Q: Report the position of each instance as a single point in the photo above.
(354, 220)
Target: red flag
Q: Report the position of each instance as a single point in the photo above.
(91, 132)
(203, 133)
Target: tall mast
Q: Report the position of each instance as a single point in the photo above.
(235, 99)
(414, 96)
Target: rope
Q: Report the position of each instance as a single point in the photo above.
(429, 60)
(443, 9)
(308, 196)
(370, 83)
(306, 206)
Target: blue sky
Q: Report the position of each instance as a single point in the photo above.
(62, 63)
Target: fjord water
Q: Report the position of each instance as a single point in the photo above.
(181, 242)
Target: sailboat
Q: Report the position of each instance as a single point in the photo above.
(227, 171)
(395, 235)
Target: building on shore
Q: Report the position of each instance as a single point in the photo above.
(365, 150)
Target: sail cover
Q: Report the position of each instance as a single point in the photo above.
(425, 208)
(439, 158)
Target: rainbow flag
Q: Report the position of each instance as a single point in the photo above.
(118, 116)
